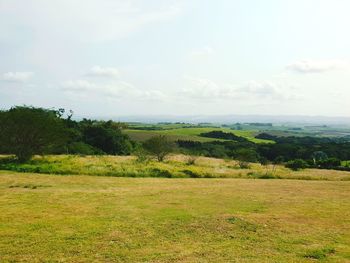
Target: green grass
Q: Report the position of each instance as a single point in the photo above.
(175, 166)
(106, 219)
(192, 134)
(345, 163)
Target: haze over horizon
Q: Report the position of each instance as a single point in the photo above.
(134, 57)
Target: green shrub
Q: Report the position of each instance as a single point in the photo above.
(329, 163)
(83, 149)
(156, 172)
(191, 174)
(319, 253)
(141, 156)
(268, 176)
(296, 164)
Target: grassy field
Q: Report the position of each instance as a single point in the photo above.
(191, 134)
(48, 218)
(176, 166)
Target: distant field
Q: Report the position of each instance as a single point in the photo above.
(47, 218)
(191, 134)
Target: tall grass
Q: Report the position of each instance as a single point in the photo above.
(176, 166)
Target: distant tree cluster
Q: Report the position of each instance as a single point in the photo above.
(323, 153)
(223, 135)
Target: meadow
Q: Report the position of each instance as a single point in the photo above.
(101, 203)
(175, 166)
(77, 218)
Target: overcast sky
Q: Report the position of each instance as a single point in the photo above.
(125, 57)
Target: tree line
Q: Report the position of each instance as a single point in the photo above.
(26, 131)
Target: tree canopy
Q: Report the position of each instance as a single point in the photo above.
(25, 131)
(160, 146)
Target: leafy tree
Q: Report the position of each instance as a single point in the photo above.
(160, 146)
(278, 160)
(248, 155)
(109, 140)
(26, 131)
(244, 156)
(319, 156)
(83, 148)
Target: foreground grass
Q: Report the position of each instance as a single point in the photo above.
(46, 218)
(176, 166)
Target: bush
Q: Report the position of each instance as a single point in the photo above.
(329, 163)
(109, 140)
(191, 174)
(83, 148)
(155, 172)
(320, 253)
(141, 156)
(296, 164)
(160, 146)
(246, 155)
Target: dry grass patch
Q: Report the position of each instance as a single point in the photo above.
(106, 219)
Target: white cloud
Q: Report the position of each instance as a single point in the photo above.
(78, 85)
(200, 88)
(205, 89)
(114, 90)
(98, 71)
(316, 66)
(16, 76)
(201, 52)
(99, 20)
(270, 90)
(261, 89)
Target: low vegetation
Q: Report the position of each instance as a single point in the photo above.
(60, 200)
(26, 131)
(47, 218)
(174, 166)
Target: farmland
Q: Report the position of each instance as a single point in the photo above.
(192, 134)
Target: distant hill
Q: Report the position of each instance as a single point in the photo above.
(229, 119)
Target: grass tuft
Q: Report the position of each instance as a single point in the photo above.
(319, 253)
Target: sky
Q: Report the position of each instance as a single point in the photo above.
(184, 57)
